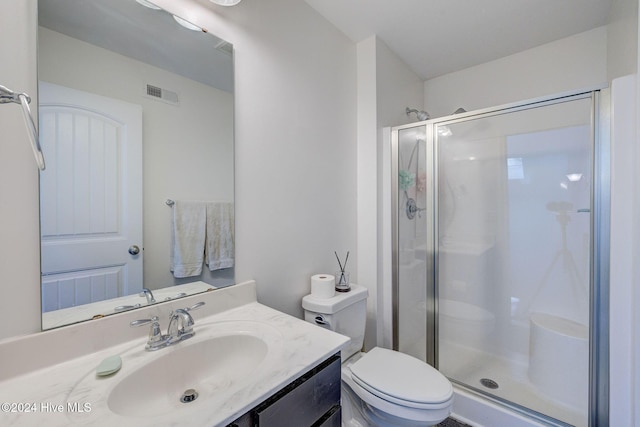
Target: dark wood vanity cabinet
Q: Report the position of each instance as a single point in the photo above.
(312, 400)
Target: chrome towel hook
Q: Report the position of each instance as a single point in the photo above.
(6, 96)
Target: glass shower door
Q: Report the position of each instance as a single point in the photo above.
(512, 270)
(412, 241)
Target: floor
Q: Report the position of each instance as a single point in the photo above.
(450, 422)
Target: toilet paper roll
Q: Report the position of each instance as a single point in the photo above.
(323, 286)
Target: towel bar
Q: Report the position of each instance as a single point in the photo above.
(6, 96)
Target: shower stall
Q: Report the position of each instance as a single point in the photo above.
(500, 254)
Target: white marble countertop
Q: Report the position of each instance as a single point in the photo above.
(68, 393)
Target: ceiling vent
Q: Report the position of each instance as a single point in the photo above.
(161, 94)
(225, 47)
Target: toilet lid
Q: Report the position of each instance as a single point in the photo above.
(400, 378)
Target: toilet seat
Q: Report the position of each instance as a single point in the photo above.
(401, 379)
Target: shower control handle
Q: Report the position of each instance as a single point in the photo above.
(412, 209)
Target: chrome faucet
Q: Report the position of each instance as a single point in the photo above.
(180, 328)
(181, 323)
(148, 294)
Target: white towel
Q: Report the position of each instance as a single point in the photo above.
(188, 238)
(219, 249)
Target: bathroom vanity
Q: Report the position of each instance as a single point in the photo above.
(312, 399)
(246, 365)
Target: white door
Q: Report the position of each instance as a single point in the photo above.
(90, 197)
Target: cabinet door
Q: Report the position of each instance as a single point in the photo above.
(243, 421)
(332, 418)
(313, 399)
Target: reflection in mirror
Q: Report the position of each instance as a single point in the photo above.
(136, 122)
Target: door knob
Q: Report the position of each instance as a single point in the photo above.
(134, 250)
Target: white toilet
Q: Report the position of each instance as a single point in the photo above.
(381, 387)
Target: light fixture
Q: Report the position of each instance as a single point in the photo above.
(148, 4)
(574, 177)
(226, 2)
(186, 24)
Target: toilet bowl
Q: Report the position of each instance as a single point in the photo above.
(381, 387)
(389, 388)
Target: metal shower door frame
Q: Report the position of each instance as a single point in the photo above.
(599, 245)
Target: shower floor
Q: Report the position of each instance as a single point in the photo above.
(469, 366)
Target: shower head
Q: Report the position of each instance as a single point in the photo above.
(421, 115)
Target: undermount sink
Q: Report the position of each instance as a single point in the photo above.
(220, 359)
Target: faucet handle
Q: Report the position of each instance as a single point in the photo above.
(141, 322)
(176, 296)
(195, 306)
(187, 309)
(156, 339)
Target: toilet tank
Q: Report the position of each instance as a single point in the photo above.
(344, 313)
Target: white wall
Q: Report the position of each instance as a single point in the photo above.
(188, 148)
(295, 150)
(622, 39)
(295, 142)
(622, 60)
(397, 87)
(367, 167)
(574, 63)
(19, 216)
(623, 250)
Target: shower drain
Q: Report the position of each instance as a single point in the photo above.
(488, 383)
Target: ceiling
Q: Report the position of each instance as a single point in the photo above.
(433, 37)
(436, 37)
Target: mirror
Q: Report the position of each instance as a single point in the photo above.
(136, 123)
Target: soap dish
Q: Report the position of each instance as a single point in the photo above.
(109, 366)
